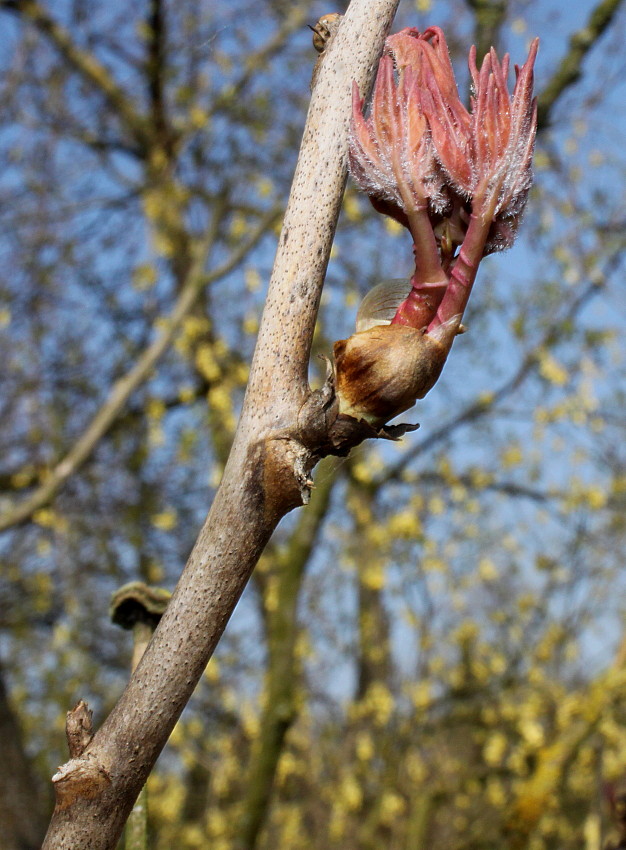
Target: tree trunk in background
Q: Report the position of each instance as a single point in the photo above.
(22, 811)
(280, 710)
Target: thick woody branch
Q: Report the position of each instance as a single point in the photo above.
(260, 482)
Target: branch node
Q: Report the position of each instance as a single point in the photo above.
(323, 430)
(80, 778)
(78, 729)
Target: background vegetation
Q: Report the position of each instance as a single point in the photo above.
(431, 654)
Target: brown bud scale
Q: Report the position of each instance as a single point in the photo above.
(382, 371)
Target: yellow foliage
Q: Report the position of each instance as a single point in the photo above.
(144, 277)
(352, 207)
(212, 671)
(421, 695)
(350, 794)
(495, 792)
(219, 399)
(378, 702)
(271, 594)
(166, 520)
(252, 279)
(44, 547)
(249, 719)
(155, 572)
(240, 373)
(592, 831)
(392, 806)
(364, 746)
(393, 227)
(373, 574)
(596, 498)
(362, 472)
(466, 632)
(416, 768)
(238, 226)
(487, 570)
(192, 837)
(177, 736)
(338, 823)
(170, 804)
(163, 243)
(198, 117)
(22, 478)
(434, 565)
(532, 732)
(552, 370)
(458, 492)
(351, 298)
(405, 525)
(156, 435)
(264, 187)
(512, 456)
(155, 409)
(195, 326)
(217, 823)
(498, 663)
(206, 363)
(480, 478)
(44, 517)
(250, 324)
(41, 585)
(436, 505)
(287, 766)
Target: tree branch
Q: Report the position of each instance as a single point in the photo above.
(156, 67)
(22, 810)
(294, 20)
(570, 67)
(260, 482)
(85, 64)
(121, 391)
(489, 15)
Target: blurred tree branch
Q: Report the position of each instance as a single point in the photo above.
(141, 370)
(22, 809)
(87, 66)
(570, 67)
(489, 15)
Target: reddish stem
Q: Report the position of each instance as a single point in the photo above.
(429, 281)
(463, 274)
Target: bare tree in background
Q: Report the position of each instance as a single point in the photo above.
(258, 486)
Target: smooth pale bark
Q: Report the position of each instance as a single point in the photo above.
(265, 476)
